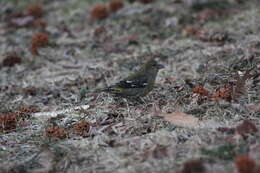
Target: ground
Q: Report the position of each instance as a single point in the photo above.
(202, 115)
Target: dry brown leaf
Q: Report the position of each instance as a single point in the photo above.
(181, 119)
(245, 164)
(199, 89)
(195, 165)
(246, 127)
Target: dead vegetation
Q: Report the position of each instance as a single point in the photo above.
(202, 115)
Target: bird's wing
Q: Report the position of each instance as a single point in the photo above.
(139, 82)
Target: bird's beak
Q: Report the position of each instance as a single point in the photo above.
(160, 66)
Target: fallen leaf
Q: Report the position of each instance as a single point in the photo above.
(82, 128)
(224, 93)
(181, 119)
(195, 165)
(245, 164)
(247, 127)
(200, 90)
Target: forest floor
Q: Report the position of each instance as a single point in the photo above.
(202, 116)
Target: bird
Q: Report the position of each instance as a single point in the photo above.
(138, 84)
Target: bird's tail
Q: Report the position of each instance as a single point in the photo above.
(96, 91)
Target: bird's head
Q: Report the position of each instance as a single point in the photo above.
(152, 65)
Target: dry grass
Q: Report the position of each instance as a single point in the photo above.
(216, 56)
